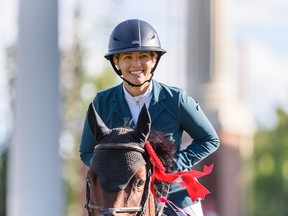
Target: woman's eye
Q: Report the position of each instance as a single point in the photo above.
(127, 57)
(144, 56)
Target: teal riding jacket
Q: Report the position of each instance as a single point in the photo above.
(172, 111)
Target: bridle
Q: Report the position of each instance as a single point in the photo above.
(107, 211)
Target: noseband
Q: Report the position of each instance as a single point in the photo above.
(107, 211)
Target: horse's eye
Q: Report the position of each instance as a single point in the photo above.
(140, 183)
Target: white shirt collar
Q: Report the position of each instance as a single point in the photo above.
(136, 103)
(140, 98)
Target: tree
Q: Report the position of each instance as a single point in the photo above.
(77, 90)
(3, 174)
(7, 124)
(271, 169)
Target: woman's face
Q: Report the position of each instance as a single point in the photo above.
(135, 66)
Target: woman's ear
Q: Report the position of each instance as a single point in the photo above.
(115, 61)
(154, 60)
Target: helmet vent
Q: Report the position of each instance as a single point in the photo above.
(114, 38)
(152, 37)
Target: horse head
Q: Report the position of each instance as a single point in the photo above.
(119, 177)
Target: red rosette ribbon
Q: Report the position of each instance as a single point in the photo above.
(187, 179)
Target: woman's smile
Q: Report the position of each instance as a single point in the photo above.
(136, 72)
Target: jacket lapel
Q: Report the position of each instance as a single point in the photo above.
(155, 107)
(121, 108)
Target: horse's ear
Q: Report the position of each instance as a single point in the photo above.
(143, 126)
(98, 127)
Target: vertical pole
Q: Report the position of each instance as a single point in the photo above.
(198, 46)
(34, 179)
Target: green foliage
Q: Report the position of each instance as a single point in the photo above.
(271, 169)
(105, 80)
(78, 89)
(3, 176)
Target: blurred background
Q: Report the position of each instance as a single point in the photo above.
(230, 55)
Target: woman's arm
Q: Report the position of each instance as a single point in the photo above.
(87, 144)
(204, 137)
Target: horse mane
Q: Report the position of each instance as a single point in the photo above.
(165, 150)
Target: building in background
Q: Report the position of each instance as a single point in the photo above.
(209, 79)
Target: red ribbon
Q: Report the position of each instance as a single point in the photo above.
(187, 179)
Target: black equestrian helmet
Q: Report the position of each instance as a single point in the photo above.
(133, 35)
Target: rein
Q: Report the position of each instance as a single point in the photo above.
(112, 211)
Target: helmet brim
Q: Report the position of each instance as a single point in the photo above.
(134, 49)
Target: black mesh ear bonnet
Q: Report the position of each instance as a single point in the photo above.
(118, 153)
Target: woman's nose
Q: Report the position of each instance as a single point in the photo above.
(136, 62)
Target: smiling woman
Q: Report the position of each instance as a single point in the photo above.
(134, 51)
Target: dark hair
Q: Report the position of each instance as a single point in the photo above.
(164, 148)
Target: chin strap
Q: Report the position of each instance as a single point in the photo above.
(134, 85)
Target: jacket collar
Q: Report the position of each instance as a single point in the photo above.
(121, 107)
(156, 107)
(158, 94)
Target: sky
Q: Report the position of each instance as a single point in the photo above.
(7, 38)
(264, 21)
(259, 28)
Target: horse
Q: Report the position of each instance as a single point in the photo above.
(131, 170)
(119, 177)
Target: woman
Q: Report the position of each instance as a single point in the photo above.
(134, 51)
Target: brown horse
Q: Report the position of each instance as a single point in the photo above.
(119, 177)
